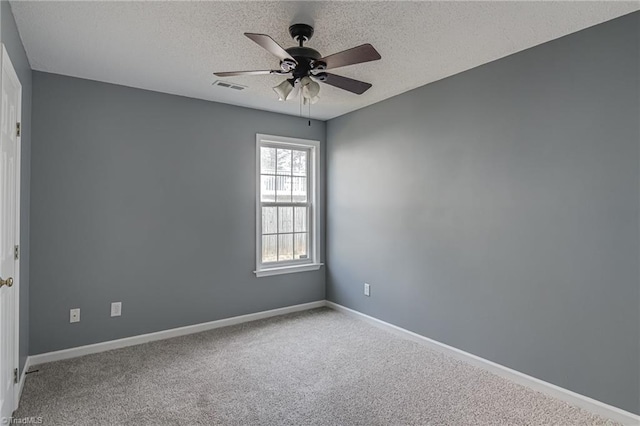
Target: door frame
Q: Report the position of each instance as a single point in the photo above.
(7, 70)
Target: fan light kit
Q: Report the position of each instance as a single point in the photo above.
(305, 67)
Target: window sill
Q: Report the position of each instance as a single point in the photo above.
(288, 269)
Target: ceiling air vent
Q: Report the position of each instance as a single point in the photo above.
(229, 85)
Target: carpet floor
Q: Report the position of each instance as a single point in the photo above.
(318, 367)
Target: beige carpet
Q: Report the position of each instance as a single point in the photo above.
(318, 367)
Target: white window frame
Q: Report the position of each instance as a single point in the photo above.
(313, 176)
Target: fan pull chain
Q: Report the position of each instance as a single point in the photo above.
(309, 113)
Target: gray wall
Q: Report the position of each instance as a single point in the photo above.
(11, 39)
(148, 199)
(497, 211)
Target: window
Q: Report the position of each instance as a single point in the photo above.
(287, 219)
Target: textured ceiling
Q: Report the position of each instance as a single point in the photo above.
(174, 47)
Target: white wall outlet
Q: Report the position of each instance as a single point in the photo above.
(116, 309)
(74, 315)
(367, 289)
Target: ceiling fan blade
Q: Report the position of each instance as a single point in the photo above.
(236, 73)
(270, 45)
(355, 86)
(355, 55)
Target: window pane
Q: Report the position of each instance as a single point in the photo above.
(287, 181)
(268, 160)
(285, 247)
(269, 248)
(284, 161)
(299, 163)
(300, 216)
(285, 219)
(283, 188)
(268, 188)
(299, 189)
(300, 250)
(269, 220)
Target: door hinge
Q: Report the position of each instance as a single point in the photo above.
(16, 252)
(18, 128)
(15, 375)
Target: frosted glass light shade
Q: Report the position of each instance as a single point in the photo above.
(310, 90)
(283, 90)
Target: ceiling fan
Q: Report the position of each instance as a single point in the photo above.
(305, 66)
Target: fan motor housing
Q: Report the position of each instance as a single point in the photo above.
(305, 57)
(303, 52)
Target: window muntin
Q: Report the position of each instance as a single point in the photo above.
(287, 226)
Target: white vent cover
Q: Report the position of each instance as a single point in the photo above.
(229, 85)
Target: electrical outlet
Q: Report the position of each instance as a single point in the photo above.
(116, 309)
(367, 289)
(74, 315)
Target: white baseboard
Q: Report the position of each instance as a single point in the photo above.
(590, 404)
(165, 334)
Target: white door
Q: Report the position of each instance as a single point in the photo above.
(9, 232)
